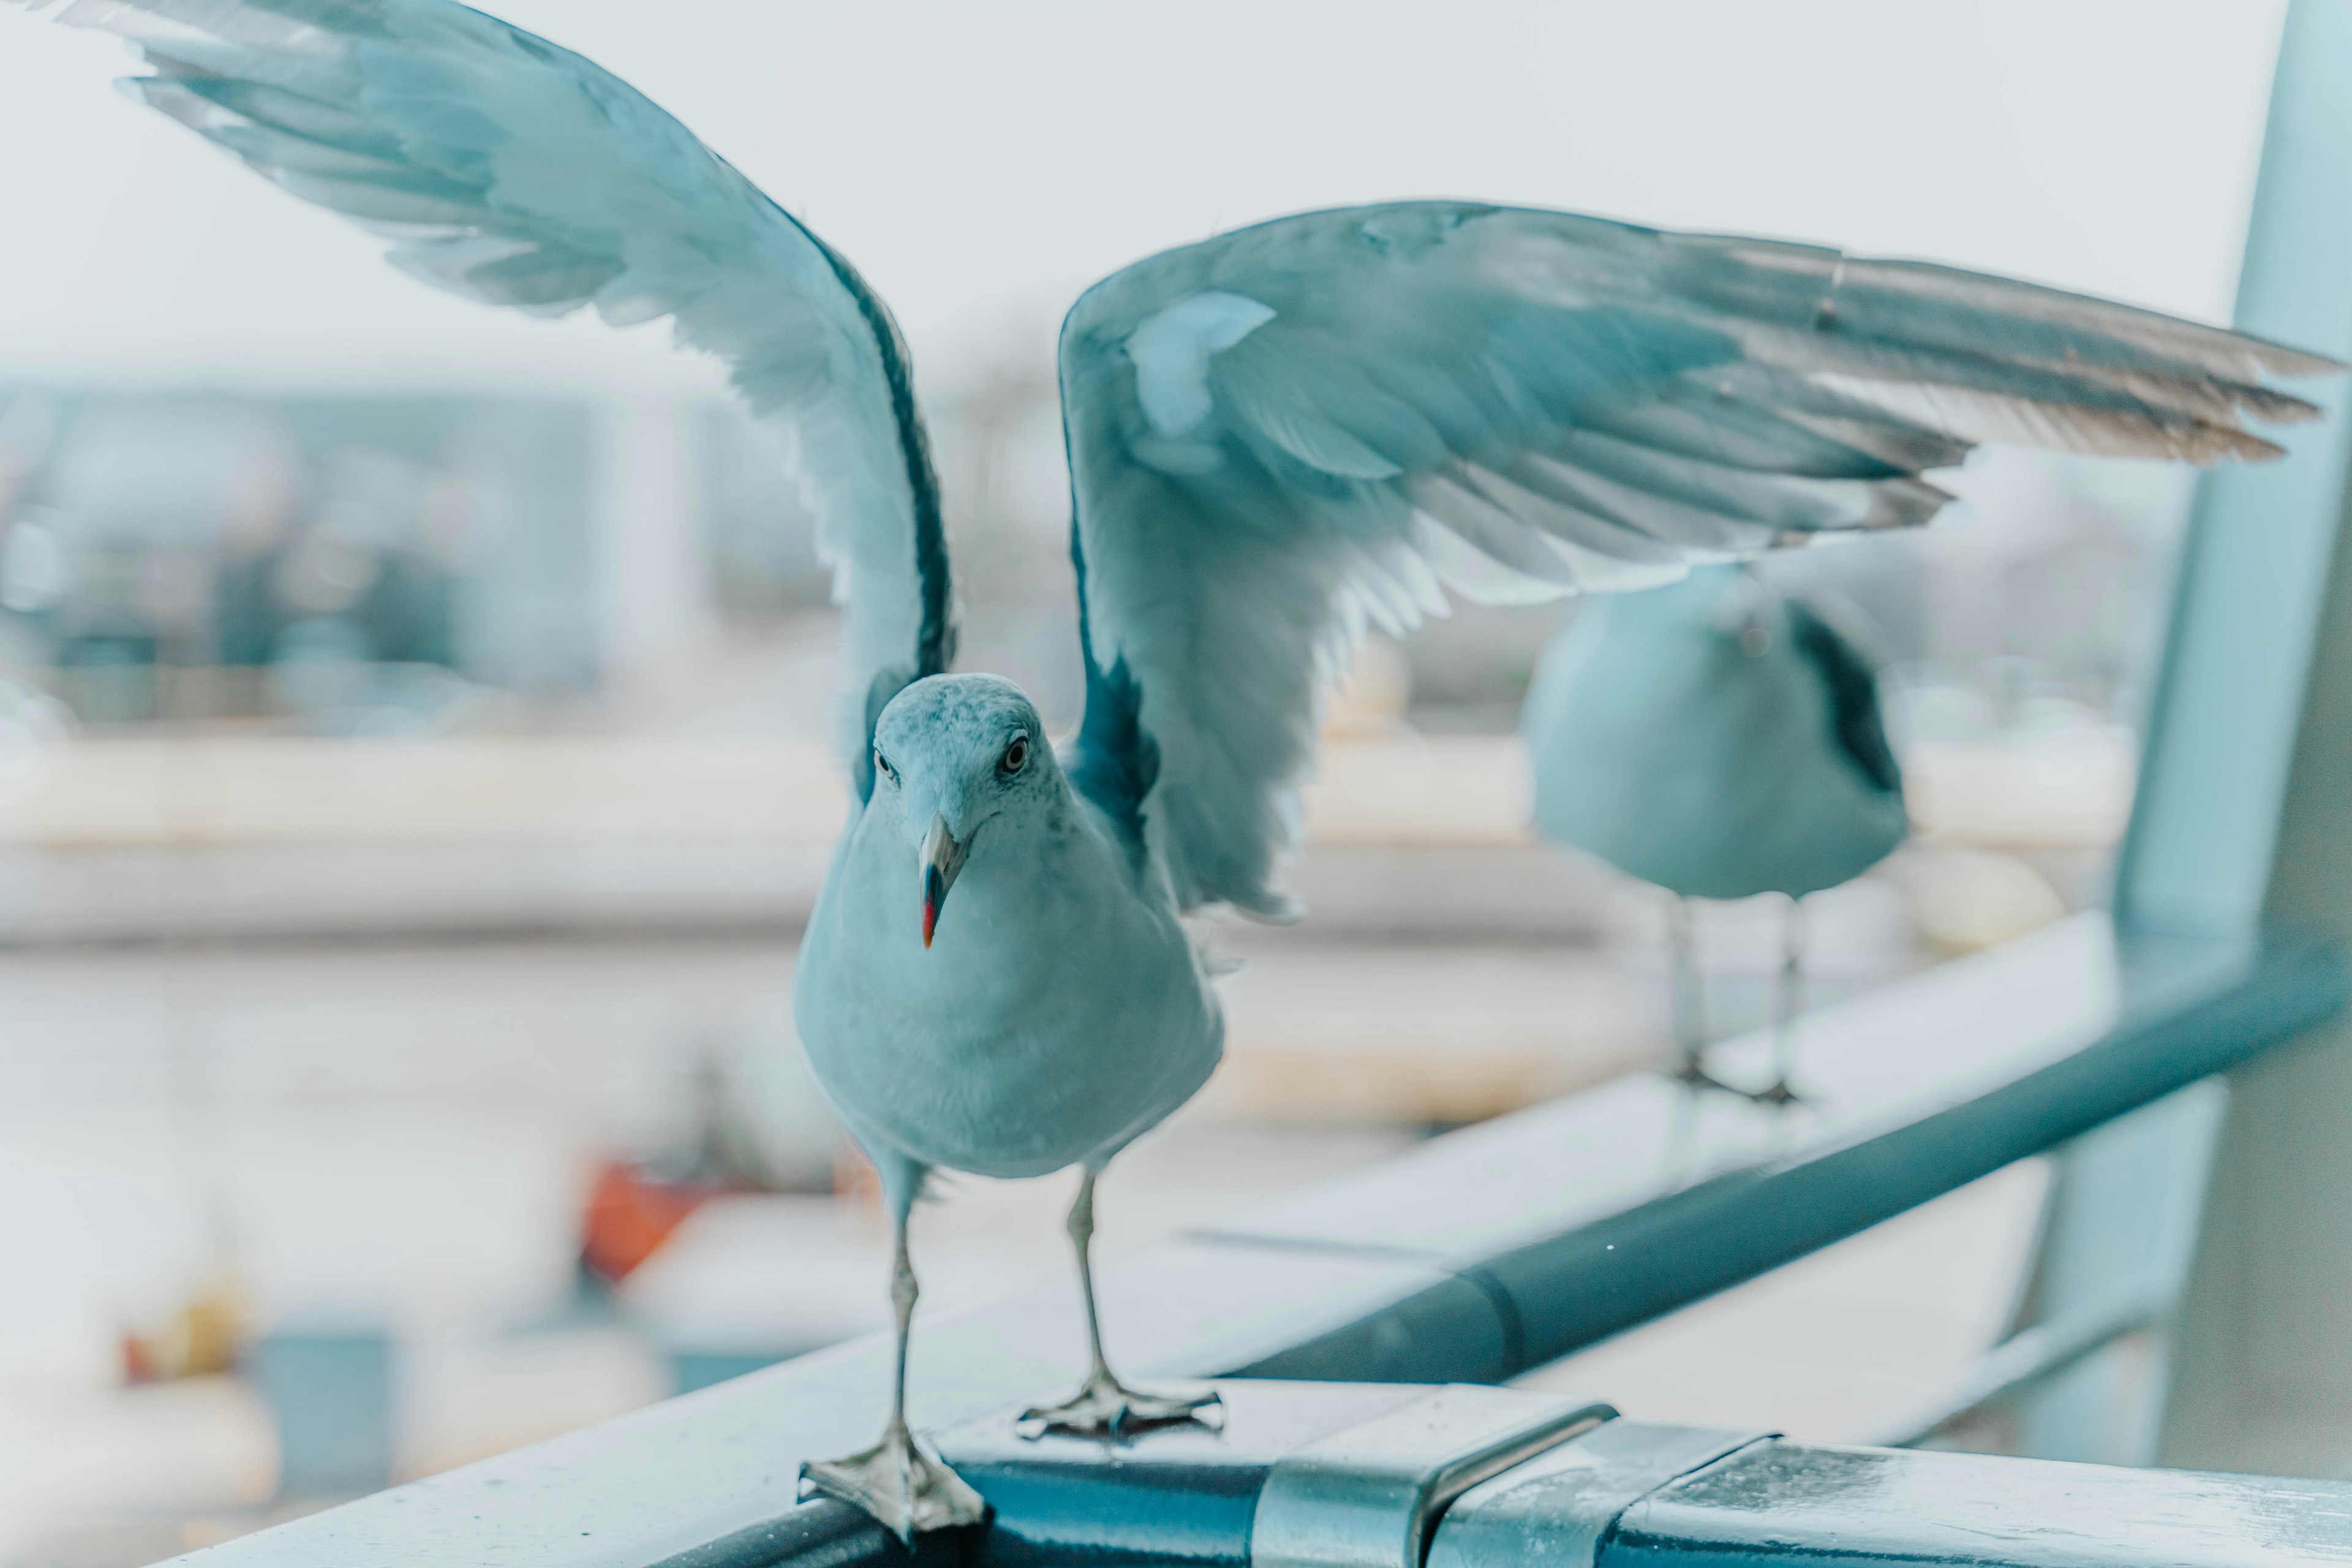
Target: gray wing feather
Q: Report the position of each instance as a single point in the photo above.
(1295, 431)
(510, 171)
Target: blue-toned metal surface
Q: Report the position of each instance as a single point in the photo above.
(1794, 1505)
(1624, 1495)
(1230, 1495)
(1187, 1495)
(1558, 1507)
(1621, 1495)
(1368, 1497)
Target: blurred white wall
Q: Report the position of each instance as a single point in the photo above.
(654, 600)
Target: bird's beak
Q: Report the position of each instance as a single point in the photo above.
(942, 858)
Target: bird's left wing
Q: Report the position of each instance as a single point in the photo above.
(1289, 431)
(513, 171)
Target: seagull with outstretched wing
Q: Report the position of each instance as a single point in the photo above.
(1276, 437)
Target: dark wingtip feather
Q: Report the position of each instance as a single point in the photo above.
(1851, 686)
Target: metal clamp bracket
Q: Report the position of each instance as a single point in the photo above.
(1369, 1496)
(1556, 1508)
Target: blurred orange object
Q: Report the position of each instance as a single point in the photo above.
(199, 1337)
(632, 1212)
(854, 1179)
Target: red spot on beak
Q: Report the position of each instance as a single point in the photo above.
(935, 893)
(942, 856)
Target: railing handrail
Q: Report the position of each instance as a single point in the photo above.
(1321, 1475)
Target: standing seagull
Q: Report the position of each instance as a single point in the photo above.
(1720, 740)
(1276, 437)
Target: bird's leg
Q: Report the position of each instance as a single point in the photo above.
(899, 1480)
(1103, 1406)
(1788, 1001)
(1689, 1002)
(1689, 1040)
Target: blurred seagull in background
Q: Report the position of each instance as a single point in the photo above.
(1720, 740)
(1277, 438)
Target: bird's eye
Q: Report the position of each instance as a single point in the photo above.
(1017, 756)
(883, 763)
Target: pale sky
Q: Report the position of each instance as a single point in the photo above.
(982, 162)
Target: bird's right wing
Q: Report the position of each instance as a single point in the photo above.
(513, 171)
(1283, 432)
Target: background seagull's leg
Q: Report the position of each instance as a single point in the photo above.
(1788, 1001)
(899, 1480)
(1688, 997)
(1680, 987)
(1103, 1406)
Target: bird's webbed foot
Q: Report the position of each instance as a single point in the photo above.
(905, 1485)
(1105, 1407)
(1691, 1073)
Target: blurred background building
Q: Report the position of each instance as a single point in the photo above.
(415, 725)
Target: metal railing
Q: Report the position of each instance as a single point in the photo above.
(1351, 1475)
(1320, 1475)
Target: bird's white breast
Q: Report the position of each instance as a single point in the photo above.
(1057, 1013)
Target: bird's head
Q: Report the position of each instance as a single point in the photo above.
(950, 752)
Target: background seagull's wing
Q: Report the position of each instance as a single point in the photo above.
(1284, 433)
(513, 171)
